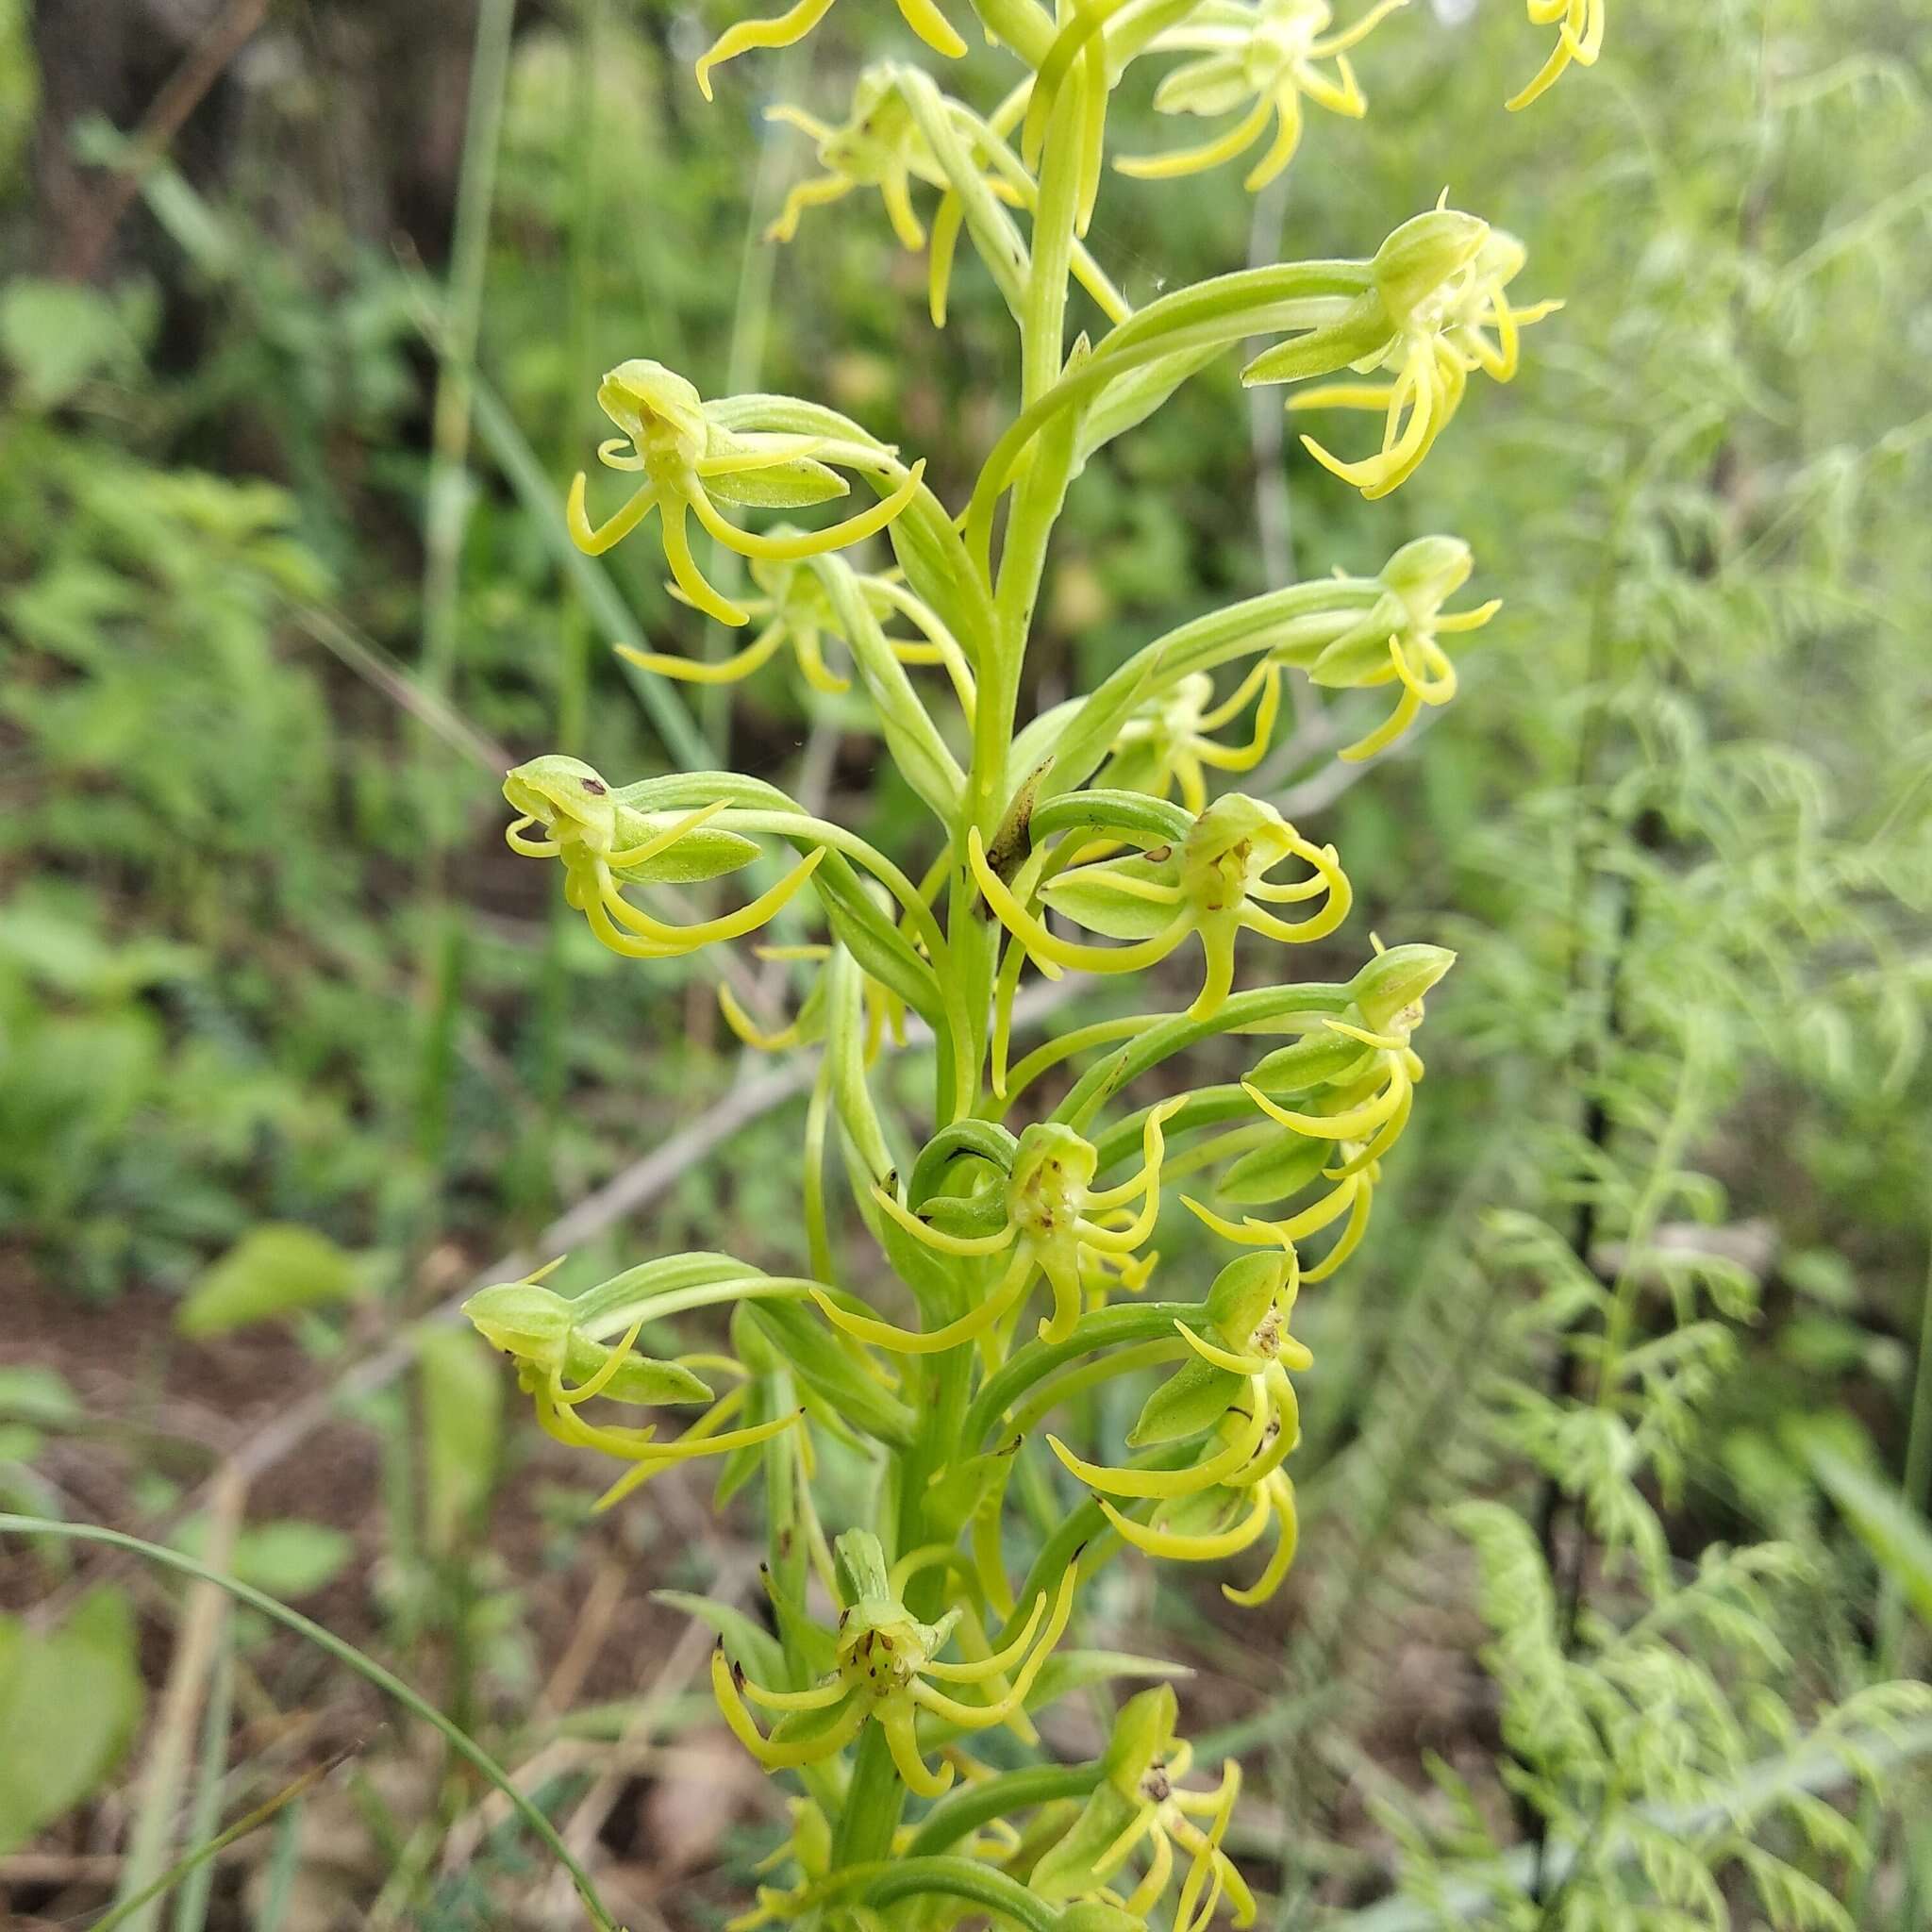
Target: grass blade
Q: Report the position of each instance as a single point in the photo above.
(346, 1654)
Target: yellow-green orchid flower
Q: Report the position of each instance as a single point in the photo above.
(788, 28)
(1463, 323)
(536, 1329)
(809, 1846)
(1054, 1221)
(1264, 58)
(887, 1671)
(1234, 1389)
(798, 610)
(1140, 1807)
(606, 844)
(1170, 739)
(1214, 885)
(1579, 25)
(887, 141)
(1394, 641)
(688, 456)
(1366, 1100)
(885, 1012)
(1352, 1077)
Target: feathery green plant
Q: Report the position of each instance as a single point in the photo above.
(901, 1636)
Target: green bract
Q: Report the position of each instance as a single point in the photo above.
(1018, 1240)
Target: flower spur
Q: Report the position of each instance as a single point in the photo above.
(1055, 1221)
(1266, 56)
(688, 456)
(1140, 1802)
(605, 844)
(1444, 333)
(1579, 25)
(887, 1667)
(537, 1328)
(1214, 885)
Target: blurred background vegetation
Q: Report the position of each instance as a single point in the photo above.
(305, 305)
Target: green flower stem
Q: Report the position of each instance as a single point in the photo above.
(1120, 1325)
(963, 1879)
(1221, 311)
(1292, 625)
(1124, 1361)
(876, 1798)
(1022, 24)
(1206, 1107)
(962, 1812)
(1261, 1005)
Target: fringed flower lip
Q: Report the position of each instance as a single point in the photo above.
(689, 457)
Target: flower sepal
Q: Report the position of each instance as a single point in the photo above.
(538, 1328)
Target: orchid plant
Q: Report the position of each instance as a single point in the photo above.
(996, 1265)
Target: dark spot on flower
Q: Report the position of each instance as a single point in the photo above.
(596, 787)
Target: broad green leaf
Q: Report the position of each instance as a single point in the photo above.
(68, 1704)
(274, 1271)
(288, 1558)
(33, 1393)
(59, 335)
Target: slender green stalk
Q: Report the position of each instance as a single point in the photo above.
(346, 1653)
(195, 1862)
